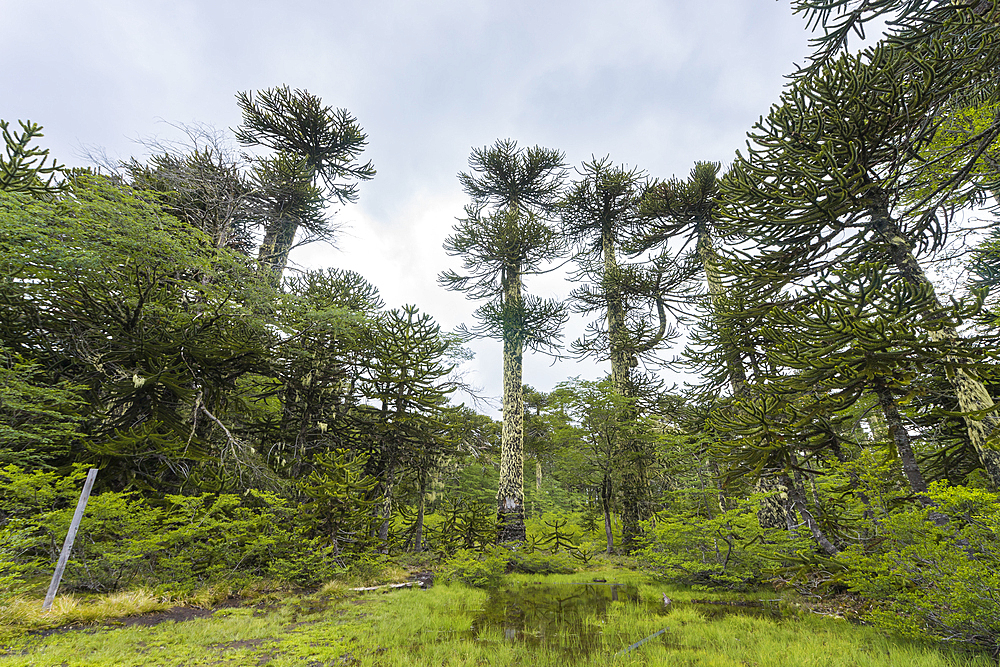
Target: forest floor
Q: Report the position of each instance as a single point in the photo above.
(591, 618)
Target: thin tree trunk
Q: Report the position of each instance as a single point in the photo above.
(606, 507)
(900, 438)
(418, 531)
(799, 502)
(634, 488)
(383, 531)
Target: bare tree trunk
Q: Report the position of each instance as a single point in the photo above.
(900, 438)
(418, 531)
(606, 507)
(510, 492)
(799, 502)
(383, 530)
(634, 488)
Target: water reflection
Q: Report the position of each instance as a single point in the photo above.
(559, 616)
(569, 617)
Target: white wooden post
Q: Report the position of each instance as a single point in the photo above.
(70, 536)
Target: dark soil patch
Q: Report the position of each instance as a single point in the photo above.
(177, 614)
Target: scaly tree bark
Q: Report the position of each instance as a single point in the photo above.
(505, 237)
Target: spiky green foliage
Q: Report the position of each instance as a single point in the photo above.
(23, 168)
(315, 157)
(408, 380)
(909, 23)
(305, 403)
(821, 188)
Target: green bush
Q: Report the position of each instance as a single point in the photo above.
(177, 542)
(729, 550)
(537, 562)
(936, 582)
(480, 569)
(14, 565)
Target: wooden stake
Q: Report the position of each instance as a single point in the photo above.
(70, 536)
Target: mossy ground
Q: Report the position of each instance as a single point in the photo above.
(334, 626)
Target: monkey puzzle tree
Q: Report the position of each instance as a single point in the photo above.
(599, 217)
(315, 159)
(686, 211)
(505, 236)
(821, 187)
(408, 378)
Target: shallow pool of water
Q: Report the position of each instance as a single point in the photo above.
(568, 617)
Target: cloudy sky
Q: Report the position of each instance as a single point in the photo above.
(653, 84)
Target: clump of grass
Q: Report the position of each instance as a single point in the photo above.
(27, 613)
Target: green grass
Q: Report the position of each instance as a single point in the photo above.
(415, 627)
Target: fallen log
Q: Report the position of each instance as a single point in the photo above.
(405, 584)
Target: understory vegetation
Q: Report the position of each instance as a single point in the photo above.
(268, 433)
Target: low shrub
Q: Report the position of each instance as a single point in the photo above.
(480, 569)
(537, 562)
(936, 582)
(178, 542)
(729, 550)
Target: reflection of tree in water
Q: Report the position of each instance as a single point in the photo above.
(562, 616)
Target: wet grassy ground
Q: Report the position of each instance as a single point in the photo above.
(558, 620)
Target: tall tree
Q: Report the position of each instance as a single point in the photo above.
(686, 211)
(821, 183)
(504, 237)
(600, 215)
(315, 158)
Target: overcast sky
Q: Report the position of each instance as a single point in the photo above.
(656, 85)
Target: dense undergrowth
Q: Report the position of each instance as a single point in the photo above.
(134, 555)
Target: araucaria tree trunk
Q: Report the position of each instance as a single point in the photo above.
(279, 237)
(634, 487)
(981, 419)
(510, 492)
